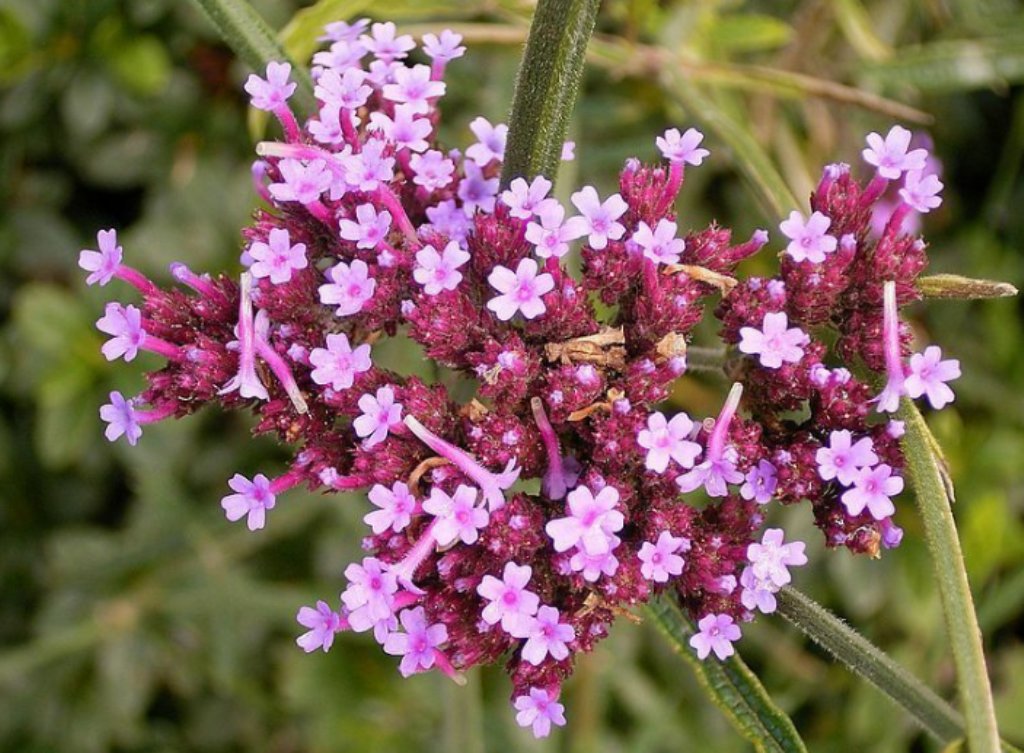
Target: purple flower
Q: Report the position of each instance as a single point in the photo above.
(347, 90)
(443, 48)
(928, 376)
(676, 147)
(414, 88)
(278, 258)
(120, 417)
(771, 558)
(921, 192)
(476, 190)
(368, 169)
(889, 398)
(756, 593)
(760, 483)
(124, 324)
(437, 272)
(547, 637)
(593, 566)
(659, 245)
(342, 31)
(522, 199)
(717, 633)
(251, 500)
(776, 343)
(383, 43)
(458, 517)
(600, 219)
(665, 440)
(448, 219)
(418, 644)
(432, 170)
(590, 523)
(718, 469)
(338, 364)
(369, 229)
(539, 710)
(396, 504)
(272, 92)
(508, 600)
(323, 622)
(103, 264)
(844, 459)
(808, 239)
(379, 414)
(370, 596)
(552, 235)
(344, 54)
(350, 287)
(872, 489)
(405, 130)
(660, 559)
(304, 183)
(890, 156)
(490, 143)
(521, 290)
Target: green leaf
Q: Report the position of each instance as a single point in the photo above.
(749, 32)
(731, 685)
(141, 64)
(953, 65)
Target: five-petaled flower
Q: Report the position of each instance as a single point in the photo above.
(251, 500)
(667, 440)
(509, 603)
(661, 559)
(717, 633)
(890, 155)
(928, 376)
(521, 291)
(439, 271)
(278, 258)
(458, 516)
(808, 239)
(338, 364)
(872, 489)
(775, 343)
(349, 289)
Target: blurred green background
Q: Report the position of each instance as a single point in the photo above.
(133, 617)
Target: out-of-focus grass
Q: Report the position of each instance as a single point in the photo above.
(134, 617)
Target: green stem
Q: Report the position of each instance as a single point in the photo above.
(547, 85)
(731, 685)
(954, 590)
(249, 36)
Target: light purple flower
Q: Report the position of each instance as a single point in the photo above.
(508, 600)
(396, 504)
(380, 412)
(593, 566)
(659, 245)
(661, 559)
(921, 192)
(437, 272)
(272, 92)
(448, 219)
(521, 291)
(432, 170)
(304, 183)
(665, 440)
(383, 43)
(889, 398)
(414, 88)
(676, 147)
(121, 419)
(443, 48)
(771, 558)
(553, 234)
(476, 190)
(490, 143)
(872, 489)
(418, 644)
(338, 364)
(344, 54)
(278, 258)
(347, 90)
(717, 633)
(775, 343)
(323, 622)
(547, 637)
(928, 376)
(808, 239)
(102, 264)
(890, 156)
(124, 324)
(368, 169)
(844, 459)
(522, 199)
(458, 517)
(369, 597)
(760, 484)
(342, 31)
(251, 500)
(405, 130)
(601, 219)
(568, 151)
(369, 228)
(591, 521)
(718, 468)
(350, 287)
(539, 710)
(756, 593)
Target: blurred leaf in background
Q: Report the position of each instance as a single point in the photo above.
(134, 618)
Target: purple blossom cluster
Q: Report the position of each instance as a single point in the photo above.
(517, 526)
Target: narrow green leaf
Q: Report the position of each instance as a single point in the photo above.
(747, 32)
(962, 64)
(947, 560)
(962, 288)
(547, 85)
(731, 685)
(253, 41)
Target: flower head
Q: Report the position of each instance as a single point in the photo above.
(591, 521)
(872, 489)
(553, 233)
(124, 324)
(103, 264)
(685, 147)
(337, 364)
(490, 145)
(667, 440)
(521, 290)
(921, 192)
(418, 644)
(458, 517)
(661, 559)
(844, 459)
(538, 711)
(121, 419)
(775, 343)
(771, 558)
(272, 92)
(251, 500)
(509, 603)
(717, 633)
(395, 508)
(380, 413)
(323, 622)
(547, 636)
(278, 258)
(890, 155)
(523, 200)
(928, 376)
(660, 245)
(439, 271)
(368, 229)
(760, 483)
(600, 219)
(808, 239)
(349, 289)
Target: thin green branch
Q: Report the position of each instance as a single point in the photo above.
(547, 85)
(954, 590)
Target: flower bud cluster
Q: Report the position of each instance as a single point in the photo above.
(516, 527)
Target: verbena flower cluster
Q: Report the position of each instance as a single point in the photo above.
(518, 525)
